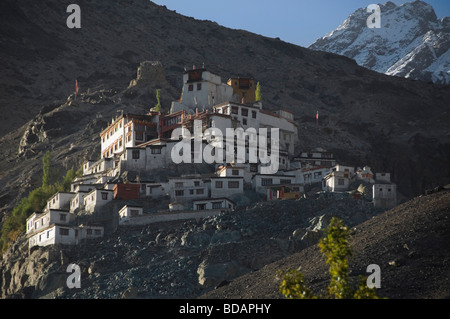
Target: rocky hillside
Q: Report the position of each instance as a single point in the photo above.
(410, 243)
(412, 42)
(182, 259)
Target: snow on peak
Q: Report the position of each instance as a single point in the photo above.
(411, 42)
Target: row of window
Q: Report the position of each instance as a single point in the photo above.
(216, 205)
(136, 154)
(244, 111)
(191, 87)
(112, 131)
(65, 232)
(180, 193)
(269, 181)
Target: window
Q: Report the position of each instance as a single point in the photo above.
(156, 150)
(191, 192)
(341, 181)
(104, 196)
(134, 212)
(48, 234)
(179, 185)
(244, 121)
(199, 86)
(88, 231)
(139, 136)
(97, 232)
(233, 184)
(135, 154)
(234, 110)
(219, 184)
(266, 182)
(244, 112)
(285, 181)
(217, 205)
(64, 232)
(196, 183)
(62, 217)
(253, 167)
(235, 172)
(317, 174)
(201, 206)
(179, 193)
(200, 191)
(191, 87)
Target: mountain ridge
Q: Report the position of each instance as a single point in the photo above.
(412, 42)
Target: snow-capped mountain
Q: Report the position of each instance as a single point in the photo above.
(412, 42)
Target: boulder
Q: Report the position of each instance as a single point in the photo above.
(211, 275)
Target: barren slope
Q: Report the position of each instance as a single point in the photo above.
(413, 238)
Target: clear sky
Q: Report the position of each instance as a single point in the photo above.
(297, 21)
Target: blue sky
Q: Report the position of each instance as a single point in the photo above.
(297, 21)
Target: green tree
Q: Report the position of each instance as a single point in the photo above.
(46, 169)
(14, 225)
(158, 100)
(336, 249)
(258, 95)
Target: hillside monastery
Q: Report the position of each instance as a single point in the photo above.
(142, 143)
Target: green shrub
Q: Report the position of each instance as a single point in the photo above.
(14, 225)
(336, 249)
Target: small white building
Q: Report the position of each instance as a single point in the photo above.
(154, 190)
(365, 174)
(96, 199)
(129, 211)
(262, 183)
(201, 90)
(151, 155)
(224, 204)
(188, 188)
(336, 181)
(60, 201)
(39, 221)
(65, 235)
(384, 195)
(99, 167)
(77, 201)
(313, 175)
(226, 186)
(128, 130)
